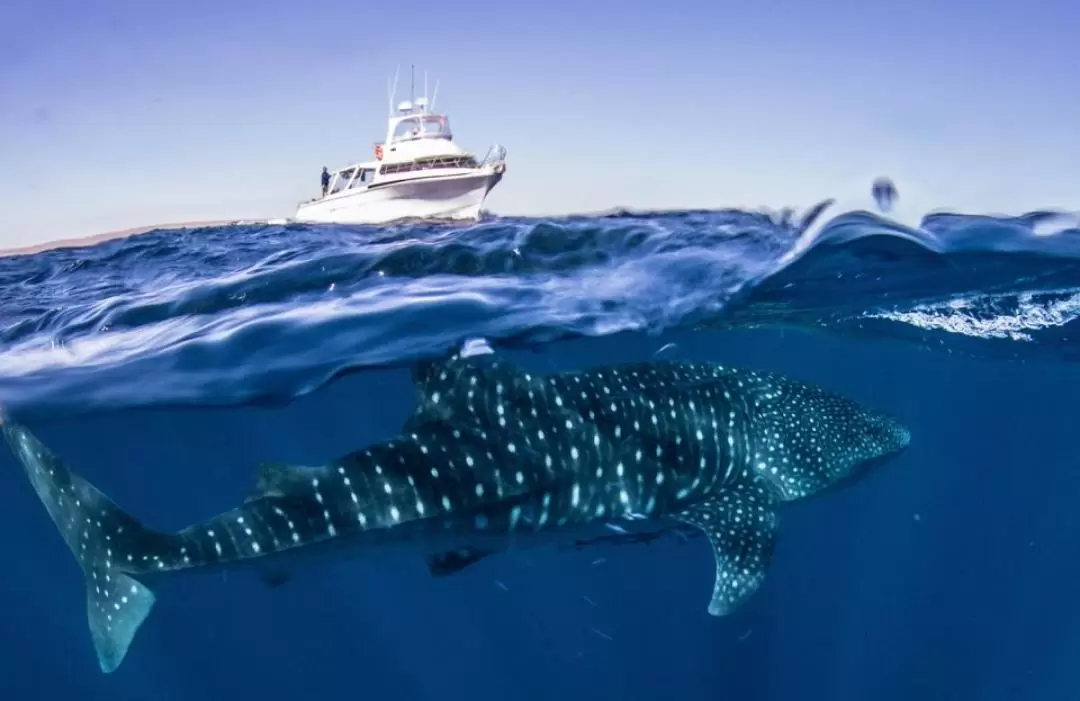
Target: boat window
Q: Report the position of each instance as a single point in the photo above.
(364, 178)
(426, 127)
(436, 126)
(429, 163)
(407, 129)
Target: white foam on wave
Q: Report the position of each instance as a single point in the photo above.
(1058, 224)
(965, 316)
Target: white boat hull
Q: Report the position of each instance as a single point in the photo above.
(458, 196)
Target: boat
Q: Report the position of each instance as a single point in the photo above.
(418, 171)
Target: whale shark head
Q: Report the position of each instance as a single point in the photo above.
(815, 441)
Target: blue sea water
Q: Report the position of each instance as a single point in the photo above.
(165, 367)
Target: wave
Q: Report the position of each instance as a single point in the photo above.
(265, 312)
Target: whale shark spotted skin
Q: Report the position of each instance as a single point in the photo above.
(493, 459)
(701, 445)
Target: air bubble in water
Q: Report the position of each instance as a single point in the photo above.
(884, 193)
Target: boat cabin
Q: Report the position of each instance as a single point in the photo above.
(416, 133)
(416, 140)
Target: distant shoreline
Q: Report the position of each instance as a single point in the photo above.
(135, 231)
(108, 236)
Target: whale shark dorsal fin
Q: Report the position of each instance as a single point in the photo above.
(424, 372)
(274, 479)
(433, 378)
(443, 383)
(740, 524)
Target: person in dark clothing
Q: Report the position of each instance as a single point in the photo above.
(325, 180)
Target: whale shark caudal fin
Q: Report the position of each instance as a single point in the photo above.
(740, 523)
(94, 529)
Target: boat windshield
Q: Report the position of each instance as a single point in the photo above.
(344, 180)
(425, 127)
(341, 180)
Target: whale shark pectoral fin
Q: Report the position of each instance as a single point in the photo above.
(453, 561)
(741, 527)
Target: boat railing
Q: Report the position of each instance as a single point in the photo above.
(495, 155)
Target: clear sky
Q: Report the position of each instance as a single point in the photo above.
(122, 113)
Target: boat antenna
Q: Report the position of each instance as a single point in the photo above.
(426, 107)
(412, 83)
(391, 91)
(434, 94)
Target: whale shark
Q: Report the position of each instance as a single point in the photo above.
(702, 446)
(494, 459)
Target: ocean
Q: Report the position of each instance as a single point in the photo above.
(166, 367)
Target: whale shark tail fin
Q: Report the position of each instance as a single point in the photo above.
(104, 540)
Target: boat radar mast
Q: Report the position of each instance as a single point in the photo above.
(414, 105)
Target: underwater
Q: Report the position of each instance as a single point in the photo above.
(189, 372)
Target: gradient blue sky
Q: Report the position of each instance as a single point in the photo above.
(122, 113)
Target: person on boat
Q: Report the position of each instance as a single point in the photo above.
(325, 180)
